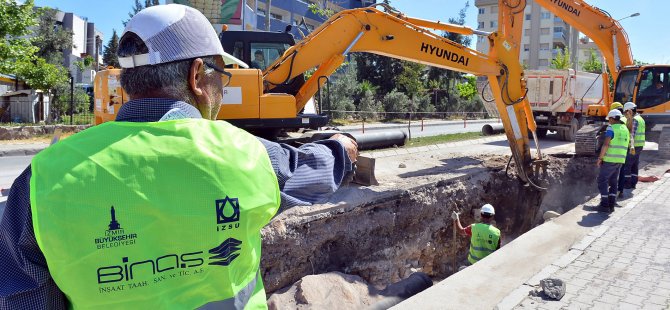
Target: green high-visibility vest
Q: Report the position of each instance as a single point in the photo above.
(640, 133)
(618, 148)
(483, 242)
(162, 215)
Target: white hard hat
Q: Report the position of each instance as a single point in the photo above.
(487, 208)
(614, 113)
(174, 32)
(629, 106)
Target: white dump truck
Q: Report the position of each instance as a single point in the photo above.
(557, 98)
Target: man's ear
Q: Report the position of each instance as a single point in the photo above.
(195, 76)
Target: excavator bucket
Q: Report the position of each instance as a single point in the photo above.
(365, 171)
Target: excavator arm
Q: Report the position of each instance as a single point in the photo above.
(394, 35)
(597, 24)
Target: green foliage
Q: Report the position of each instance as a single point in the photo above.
(468, 90)
(562, 60)
(109, 57)
(343, 90)
(39, 74)
(411, 79)
(395, 101)
(86, 62)
(448, 78)
(368, 105)
(15, 22)
(593, 64)
(319, 10)
(638, 62)
(51, 40)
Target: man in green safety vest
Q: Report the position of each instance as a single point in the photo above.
(484, 237)
(637, 140)
(162, 208)
(612, 157)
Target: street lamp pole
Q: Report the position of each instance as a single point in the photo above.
(631, 15)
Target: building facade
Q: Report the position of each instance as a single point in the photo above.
(251, 14)
(544, 34)
(86, 41)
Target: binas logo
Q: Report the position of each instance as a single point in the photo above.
(221, 255)
(227, 210)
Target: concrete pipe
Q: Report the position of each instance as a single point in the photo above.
(378, 140)
(492, 129)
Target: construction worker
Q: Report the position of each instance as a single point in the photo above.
(620, 179)
(612, 157)
(637, 140)
(484, 237)
(163, 207)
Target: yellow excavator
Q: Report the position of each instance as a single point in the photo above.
(648, 86)
(275, 96)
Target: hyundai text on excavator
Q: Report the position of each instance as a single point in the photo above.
(275, 96)
(648, 86)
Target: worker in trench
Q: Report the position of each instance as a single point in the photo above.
(612, 157)
(163, 207)
(484, 237)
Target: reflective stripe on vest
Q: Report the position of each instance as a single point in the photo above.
(618, 147)
(640, 132)
(155, 215)
(484, 241)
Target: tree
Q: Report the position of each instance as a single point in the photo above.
(368, 105)
(343, 90)
(448, 78)
(395, 101)
(410, 80)
(109, 57)
(15, 22)
(468, 90)
(51, 40)
(593, 64)
(562, 60)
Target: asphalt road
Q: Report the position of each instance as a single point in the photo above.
(10, 168)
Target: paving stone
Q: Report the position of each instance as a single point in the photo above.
(656, 299)
(633, 299)
(552, 305)
(579, 305)
(653, 307)
(603, 306)
(627, 306)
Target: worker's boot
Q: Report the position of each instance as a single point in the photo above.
(612, 203)
(604, 205)
(621, 195)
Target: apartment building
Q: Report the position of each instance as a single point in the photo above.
(86, 40)
(544, 34)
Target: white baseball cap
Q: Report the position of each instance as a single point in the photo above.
(174, 32)
(614, 113)
(487, 208)
(629, 106)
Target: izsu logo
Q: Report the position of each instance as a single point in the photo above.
(227, 213)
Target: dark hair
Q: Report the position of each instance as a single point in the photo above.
(258, 52)
(487, 215)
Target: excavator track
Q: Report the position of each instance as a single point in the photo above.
(587, 140)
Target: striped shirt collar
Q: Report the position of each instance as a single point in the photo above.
(155, 109)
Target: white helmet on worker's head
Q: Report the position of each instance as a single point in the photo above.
(614, 114)
(173, 32)
(629, 106)
(488, 209)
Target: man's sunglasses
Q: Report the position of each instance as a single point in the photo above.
(225, 76)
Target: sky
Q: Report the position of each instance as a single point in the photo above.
(649, 40)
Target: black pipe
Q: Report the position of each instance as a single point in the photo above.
(492, 129)
(379, 140)
(397, 292)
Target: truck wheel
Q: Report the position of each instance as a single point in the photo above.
(570, 132)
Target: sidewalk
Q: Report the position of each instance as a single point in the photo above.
(21, 149)
(624, 264)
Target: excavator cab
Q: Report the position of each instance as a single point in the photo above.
(259, 49)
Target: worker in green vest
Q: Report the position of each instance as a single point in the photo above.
(484, 237)
(637, 140)
(162, 208)
(619, 106)
(612, 157)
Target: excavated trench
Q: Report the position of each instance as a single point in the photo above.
(388, 238)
